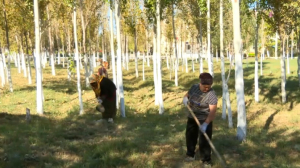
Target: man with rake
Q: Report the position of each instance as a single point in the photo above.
(202, 100)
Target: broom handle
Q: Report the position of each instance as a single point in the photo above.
(207, 138)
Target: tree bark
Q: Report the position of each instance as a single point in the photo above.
(39, 87)
(175, 45)
(239, 79)
(159, 78)
(119, 64)
(8, 47)
(210, 63)
(81, 111)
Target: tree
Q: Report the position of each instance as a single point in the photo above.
(239, 79)
(119, 65)
(39, 87)
(280, 15)
(159, 78)
(225, 93)
(77, 59)
(8, 47)
(210, 62)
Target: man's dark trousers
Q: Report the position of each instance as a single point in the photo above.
(192, 133)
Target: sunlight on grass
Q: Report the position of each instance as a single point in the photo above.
(63, 138)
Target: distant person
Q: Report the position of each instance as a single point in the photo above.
(105, 92)
(202, 99)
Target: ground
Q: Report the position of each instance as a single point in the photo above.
(63, 138)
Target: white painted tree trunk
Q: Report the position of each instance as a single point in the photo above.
(239, 79)
(147, 48)
(168, 67)
(81, 111)
(228, 104)
(63, 53)
(112, 51)
(2, 74)
(9, 72)
(119, 63)
(222, 61)
(58, 57)
(159, 76)
(39, 87)
(225, 92)
(283, 74)
(86, 70)
(52, 64)
(210, 69)
(155, 68)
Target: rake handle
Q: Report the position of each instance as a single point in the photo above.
(207, 138)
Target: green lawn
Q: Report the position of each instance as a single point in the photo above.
(63, 138)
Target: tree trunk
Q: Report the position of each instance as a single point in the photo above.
(119, 64)
(159, 78)
(112, 50)
(154, 66)
(8, 47)
(175, 46)
(283, 72)
(77, 62)
(50, 44)
(23, 58)
(39, 94)
(287, 55)
(87, 83)
(135, 53)
(210, 69)
(239, 79)
(28, 60)
(276, 45)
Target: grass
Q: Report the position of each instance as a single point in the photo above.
(63, 138)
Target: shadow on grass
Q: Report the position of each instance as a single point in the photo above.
(140, 140)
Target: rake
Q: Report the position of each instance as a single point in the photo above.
(207, 138)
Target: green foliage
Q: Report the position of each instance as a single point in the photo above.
(72, 65)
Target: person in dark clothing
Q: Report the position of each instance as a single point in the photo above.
(203, 100)
(105, 92)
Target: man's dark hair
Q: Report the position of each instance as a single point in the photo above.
(206, 78)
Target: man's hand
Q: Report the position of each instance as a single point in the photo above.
(203, 127)
(99, 101)
(185, 100)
